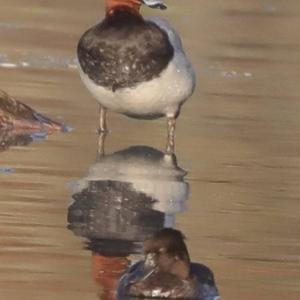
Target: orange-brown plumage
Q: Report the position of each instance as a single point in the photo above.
(111, 5)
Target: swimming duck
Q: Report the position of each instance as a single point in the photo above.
(167, 272)
(134, 66)
(15, 115)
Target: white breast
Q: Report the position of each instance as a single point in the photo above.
(160, 96)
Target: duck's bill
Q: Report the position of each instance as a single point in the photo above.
(155, 4)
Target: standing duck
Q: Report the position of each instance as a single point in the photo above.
(135, 66)
(167, 272)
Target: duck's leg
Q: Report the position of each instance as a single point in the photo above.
(171, 135)
(102, 119)
(101, 144)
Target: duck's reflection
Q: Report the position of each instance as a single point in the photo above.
(125, 198)
(11, 138)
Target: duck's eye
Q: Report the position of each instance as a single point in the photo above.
(161, 250)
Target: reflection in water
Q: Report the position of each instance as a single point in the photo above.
(11, 138)
(242, 122)
(125, 198)
(167, 272)
(107, 270)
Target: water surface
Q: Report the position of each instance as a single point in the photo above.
(236, 137)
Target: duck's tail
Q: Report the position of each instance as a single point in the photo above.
(17, 115)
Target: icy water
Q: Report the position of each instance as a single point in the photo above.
(237, 139)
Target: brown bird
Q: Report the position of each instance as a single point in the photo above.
(167, 272)
(17, 115)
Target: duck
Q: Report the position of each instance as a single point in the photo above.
(136, 66)
(167, 272)
(18, 117)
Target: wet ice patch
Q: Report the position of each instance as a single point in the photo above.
(39, 61)
(270, 7)
(214, 71)
(6, 25)
(51, 61)
(8, 65)
(72, 66)
(6, 170)
(38, 136)
(24, 64)
(229, 74)
(67, 129)
(248, 74)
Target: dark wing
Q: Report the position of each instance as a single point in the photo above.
(122, 54)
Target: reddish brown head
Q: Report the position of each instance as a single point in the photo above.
(111, 5)
(169, 251)
(134, 5)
